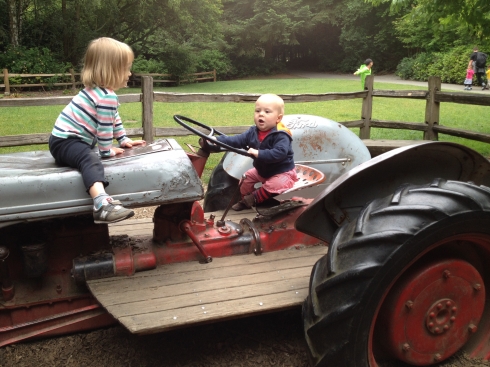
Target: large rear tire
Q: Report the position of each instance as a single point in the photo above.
(404, 282)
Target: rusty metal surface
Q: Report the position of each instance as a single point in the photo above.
(32, 187)
(380, 176)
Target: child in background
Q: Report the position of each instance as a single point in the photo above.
(364, 70)
(91, 118)
(488, 75)
(468, 82)
(269, 141)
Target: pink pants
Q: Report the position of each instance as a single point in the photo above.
(276, 184)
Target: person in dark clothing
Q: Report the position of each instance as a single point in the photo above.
(269, 142)
(478, 60)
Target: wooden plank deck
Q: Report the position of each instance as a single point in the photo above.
(176, 295)
(189, 293)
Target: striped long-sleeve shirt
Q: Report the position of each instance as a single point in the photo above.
(92, 117)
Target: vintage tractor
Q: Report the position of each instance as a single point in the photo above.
(407, 234)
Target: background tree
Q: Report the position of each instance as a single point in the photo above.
(473, 14)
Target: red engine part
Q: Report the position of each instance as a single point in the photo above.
(50, 303)
(49, 299)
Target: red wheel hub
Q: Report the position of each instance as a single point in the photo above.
(431, 312)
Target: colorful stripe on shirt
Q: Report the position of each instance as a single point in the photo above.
(92, 116)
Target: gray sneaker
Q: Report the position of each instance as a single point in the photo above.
(112, 212)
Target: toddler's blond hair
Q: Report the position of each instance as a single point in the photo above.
(106, 63)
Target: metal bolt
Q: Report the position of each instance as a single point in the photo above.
(437, 357)
(432, 315)
(406, 347)
(437, 330)
(477, 287)
(472, 328)
(454, 309)
(448, 304)
(439, 306)
(446, 274)
(431, 324)
(409, 305)
(453, 318)
(4, 253)
(446, 327)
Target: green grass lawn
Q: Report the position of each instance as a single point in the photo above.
(26, 120)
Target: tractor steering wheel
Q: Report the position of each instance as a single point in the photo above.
(208, 138)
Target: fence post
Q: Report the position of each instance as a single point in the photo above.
(147, 108)
(367, 108)
(214, 75)
(432, 109)
(72, 77)
(6, 82)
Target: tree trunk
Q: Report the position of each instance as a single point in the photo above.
(14, 8)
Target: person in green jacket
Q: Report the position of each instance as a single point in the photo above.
(364, 70)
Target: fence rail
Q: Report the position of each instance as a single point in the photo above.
(430, 127)
(74, 83)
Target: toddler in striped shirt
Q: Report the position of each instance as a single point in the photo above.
(92, 119)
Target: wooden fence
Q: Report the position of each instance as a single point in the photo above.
(7, 85)
(169, 78)
(74, 83)
(430, 128)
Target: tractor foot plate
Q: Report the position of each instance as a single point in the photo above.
(176, 295)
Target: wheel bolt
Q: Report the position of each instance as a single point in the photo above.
(431, 324)
(437, 330)
(439, 306)
(432, 315)
(406, 347)
(472, 328)
(453, 318)
(409, 305)
(437, 357)
(448, 304)
(454, 309)
(477, 287)
(446, 274)
(446, 327)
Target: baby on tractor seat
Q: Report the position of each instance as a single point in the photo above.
(269, 142)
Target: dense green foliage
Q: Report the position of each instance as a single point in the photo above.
(450, 66)
(249, 37)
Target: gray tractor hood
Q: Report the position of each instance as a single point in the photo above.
(33, 187)
(380, 176)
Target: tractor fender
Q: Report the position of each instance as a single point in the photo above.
(419, 164)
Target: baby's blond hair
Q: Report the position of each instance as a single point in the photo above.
(274, 99)
(106, 63)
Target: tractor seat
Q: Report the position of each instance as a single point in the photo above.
(307, 176)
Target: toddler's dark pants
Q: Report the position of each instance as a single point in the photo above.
(77, 154)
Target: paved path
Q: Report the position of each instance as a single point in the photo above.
(389, 78)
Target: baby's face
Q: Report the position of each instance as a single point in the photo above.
(267, 114)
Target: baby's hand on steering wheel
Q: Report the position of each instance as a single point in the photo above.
(253, 152)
